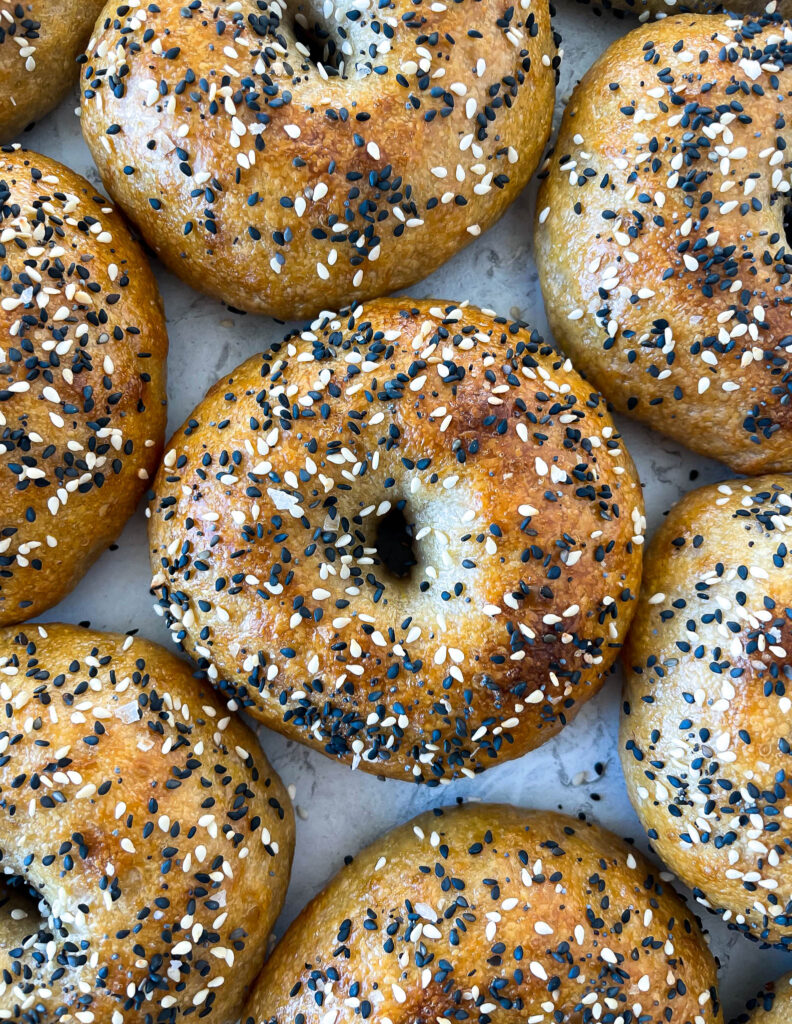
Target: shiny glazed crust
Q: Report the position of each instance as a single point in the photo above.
(660, 234)
(40, 41)
(705, 733)
(150, 823)
(82, 379)
(773, 1006)
(526, 516)
(506, 914)
(277, 189)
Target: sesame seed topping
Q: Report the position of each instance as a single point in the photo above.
(82, 390)
(130, 820)
(292, 159)
(365, 553)
(663, 238)
(705, 726)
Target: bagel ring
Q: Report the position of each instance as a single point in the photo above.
(40, 41)
(772, 1006)
(662, 234)
(149, 825)
(495, 914)
(705, 737)
(82, 379)
(266, 174)
(409, 537)
(664, 8)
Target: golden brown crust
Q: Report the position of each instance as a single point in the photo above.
(660, 234)
(40, 41)
(281, 505)
(665, 8)
(82, 379)
(772, 1006)
(506, 914)
(280, 190)
(150, 823)
(705, 733)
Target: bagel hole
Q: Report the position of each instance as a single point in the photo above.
(394, 542)
(788, 224)
(322, 46)
(21, 902)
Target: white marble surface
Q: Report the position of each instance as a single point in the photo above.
(339, 811)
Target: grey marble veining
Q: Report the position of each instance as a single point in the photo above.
(338, 811)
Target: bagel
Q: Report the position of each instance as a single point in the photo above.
(494, 914)
(291, 157)
(409, 537)
(705, 730)
(660, 234)
(82, 379)
(662, 8)
(773, 1006)
(145, 840)
(40, 41)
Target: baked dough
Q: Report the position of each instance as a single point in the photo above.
(662, 234)
(497, 913)
(145, 840)
(290, 159)
(409, 537)
(83, 348)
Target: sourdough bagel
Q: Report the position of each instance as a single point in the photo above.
(772, 1006)
(150, 827)
(494, 914)
(40, 41)
(705, 737)
(82, 379)
(409, 536)
(267, 174)
(660, 234)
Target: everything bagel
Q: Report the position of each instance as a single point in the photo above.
(705, 738)
(409, 536)
(40, 41)
(664, 8)
(492, 914)
(773, 1006)
(144, 839)
(661, 234)
(289, 158)
(83, 348)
